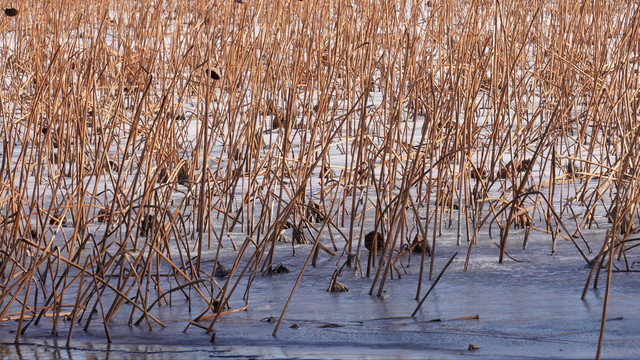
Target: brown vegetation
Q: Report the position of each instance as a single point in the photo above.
(173, 124)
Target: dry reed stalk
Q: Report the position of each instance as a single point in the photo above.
(295, 286)
(433, 285)
(605, 305)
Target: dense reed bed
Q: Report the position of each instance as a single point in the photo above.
(139, 136)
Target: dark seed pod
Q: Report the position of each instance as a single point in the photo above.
(315, 213)
(298, 236)
(216, 304)
(147, 225)
(222, 270)
(275, 123)
(163, 177)
(213, 73)
(477, 174)
(505, 172)
(523, 220)
(327, 173)
(103, 216)
(417, 246)
(371, 237)
(183, 174)
(337, 286)
(525, 165)
(11, 12)
(284, 239)
(58, 218)
(280, 269)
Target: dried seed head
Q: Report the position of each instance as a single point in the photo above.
(222, 270)
(505, 172)
(163, 176)
(147, 225)
(280, 269)
(11, 12)
(372, 237)
(314, 213)
(213, 73)
(327, 173)
(298, 236)
(337, 286)
(418, 245)
(183, 174)
(525, 165)
(477, 174)
(523, 220)
(33, 232)
(278, 122)
(103, 216)
(58, 218)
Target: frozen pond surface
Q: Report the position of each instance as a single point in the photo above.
(528, 309)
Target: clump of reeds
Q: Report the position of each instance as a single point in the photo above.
(155, 130)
